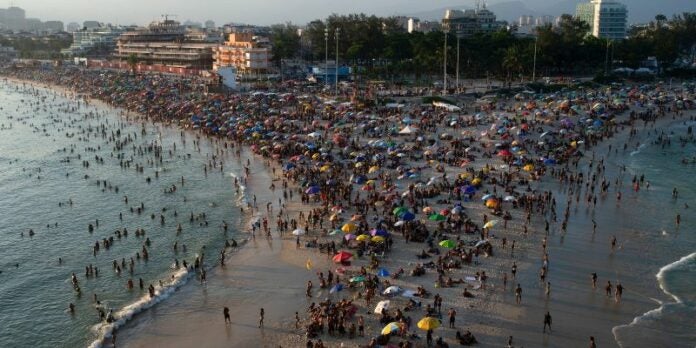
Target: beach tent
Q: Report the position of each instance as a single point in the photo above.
(407, 130)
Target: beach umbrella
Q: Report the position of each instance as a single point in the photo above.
(288, 166)
(349, 236)
(392, 290)
(380, 232)
(428, 323)
(381, 305)
(427, 210)
(509, 198)
(469, 189)
(378, 239)
(504, 153)
(349, 228)
(298, 232)
(490, 224)
(481, 242)
(336, 288)
(492, 203)
(399, 210)
(362, 238)
(357, 279)
(383, 272)
(342, 256)
(528, 167)
(408, 216)
(312, 190)
(486, 197)
(391, 328)
(399, 223)
(447, 244)
(437, 217)
(476, 181)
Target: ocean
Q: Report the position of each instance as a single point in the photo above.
(46, 188)
(669, 252)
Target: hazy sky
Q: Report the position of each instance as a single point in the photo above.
(251, 11)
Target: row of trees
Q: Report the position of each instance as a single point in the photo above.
(381, 48)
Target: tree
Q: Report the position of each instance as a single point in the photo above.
(132, 62)
(285, 41)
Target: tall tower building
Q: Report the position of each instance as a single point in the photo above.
(607, 18)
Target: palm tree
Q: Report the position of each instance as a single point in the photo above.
(511, 62)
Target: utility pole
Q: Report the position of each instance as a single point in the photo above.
(444, 64)
(606, 60)
(536, 40)
(458, 41)
(338, 32)
(326, 58)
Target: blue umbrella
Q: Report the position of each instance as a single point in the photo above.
(383, 272)
(312, 190)
(288, 166)
(336, 288)
(469, 189)
(408, 216)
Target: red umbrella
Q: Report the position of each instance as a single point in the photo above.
(504, 153)
(342, 256)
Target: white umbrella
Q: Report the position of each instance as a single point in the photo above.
(381, 305)
(399, 223)
(392, 290)
(298, 232)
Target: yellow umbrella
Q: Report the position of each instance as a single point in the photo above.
(476, 181)
(428, 323)
(315, 156)
(349, 228)
(464, 175)
(378, 239)
(528, 167)
(362, 238)
(373, 169)
(391, 328)
(358, 165)
(333, 217)
(325, 168)
(490, 224)
(427, 210)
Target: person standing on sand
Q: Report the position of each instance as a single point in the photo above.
(518, 294)
(613, 243)
(592, 342)
(509, 343)
(226, 313)
(452, 317)
(547, 321)
(261, 314)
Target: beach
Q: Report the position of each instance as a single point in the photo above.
(352, 185)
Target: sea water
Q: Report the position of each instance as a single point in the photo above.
(41, 136)
(672, 323)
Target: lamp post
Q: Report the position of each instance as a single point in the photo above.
(326, 58)
(338, 32)
(536, 40)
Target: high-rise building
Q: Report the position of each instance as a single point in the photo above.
(99, 41)
(73, 26)
(470, 22)
(607, 18)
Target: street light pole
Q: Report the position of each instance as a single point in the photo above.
(536, 40)
(444, 64)
(606, 60)
(458, 40)
(338, 32)
(326, 58)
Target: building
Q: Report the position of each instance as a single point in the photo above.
(53, 26)
(524, 21)
(72, 27)
(7, 53)
(607, 18)
(91, 24)
(14, 19)
(470, 22)
(166, 42)
(416, 25)
(245, 52)
(93, 42)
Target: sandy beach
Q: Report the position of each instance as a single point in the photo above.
(271, 271)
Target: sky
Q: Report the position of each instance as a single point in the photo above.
(262, 12)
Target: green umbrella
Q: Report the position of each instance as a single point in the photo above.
(398, 210)
(447, 244)
(357, 279)
(437, 217)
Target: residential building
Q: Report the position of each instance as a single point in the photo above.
(14, 19)
(470, 22)
(7, 53)
(607, 18)
(93, 42)
(166, 42)
(53, 26)
(72, 27)
(416, 25)
(245, 52)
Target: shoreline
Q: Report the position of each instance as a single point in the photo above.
(489, 306)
